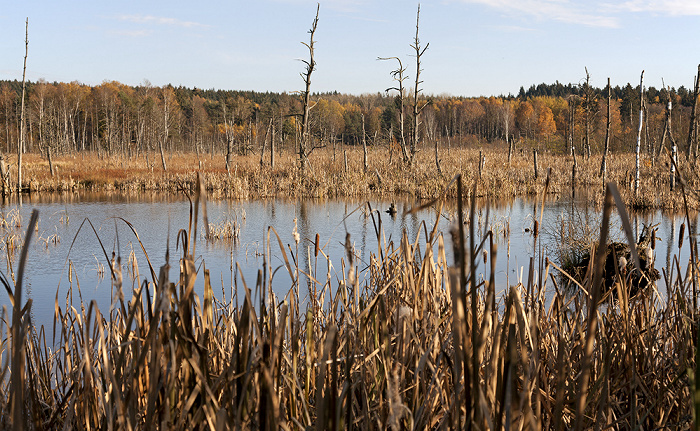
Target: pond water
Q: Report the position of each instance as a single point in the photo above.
(64, 243)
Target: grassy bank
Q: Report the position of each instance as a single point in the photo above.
(409, 342)
(386, 176)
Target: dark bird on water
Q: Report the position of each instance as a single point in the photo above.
(392, 210)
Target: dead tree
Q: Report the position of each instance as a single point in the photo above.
(305, 147)
(364, 145)
(398, 77)
(692, 149)
(230, 136)
(667, 127)
(417, 107)
(572, 124)
(588, 94)
(262, 150)
(20, 146)
(639, 133)
(603, 166)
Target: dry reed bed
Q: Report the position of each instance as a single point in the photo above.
(410, 342)
(386, 176)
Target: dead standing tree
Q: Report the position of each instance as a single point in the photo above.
(637, 147)
(603, 163)
(417, 107)
(20, 146)
(305, 146)
(398, 77)
(692, 149)
(588, 95)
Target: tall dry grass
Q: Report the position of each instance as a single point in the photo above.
(412, 341)
(327, 175)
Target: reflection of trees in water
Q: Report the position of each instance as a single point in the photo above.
(304, 230)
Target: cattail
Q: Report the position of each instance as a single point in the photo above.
(680, 237)
(316, 245)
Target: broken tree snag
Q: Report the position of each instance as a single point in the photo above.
(574, 169)
(437, 158)
(534, 161)
(603, 166)
(304, 144)
(639, 134)
(692, 149)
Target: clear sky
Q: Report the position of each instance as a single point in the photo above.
(477, 47)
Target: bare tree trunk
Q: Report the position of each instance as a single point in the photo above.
(364, 146)
(572, 110)
(162, 156)
(437, 158)
(416, 92)
(304, 143)
(20, 147)
(272, 149)
(639, 134)
(603, 166)
(674, 162)
(229, 134)
(262, 150)
(398, 76)
(49, 156)
(534, 161)
(166, 132)
(692, 150)
(588, 116)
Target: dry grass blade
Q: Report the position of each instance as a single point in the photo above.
(19, 325)
(592, 320)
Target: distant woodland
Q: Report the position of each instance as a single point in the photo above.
(113, 119)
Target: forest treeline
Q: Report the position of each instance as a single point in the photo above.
(114, 118)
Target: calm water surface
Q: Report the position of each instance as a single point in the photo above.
(64, 240)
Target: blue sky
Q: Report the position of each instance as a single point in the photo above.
(477, 47)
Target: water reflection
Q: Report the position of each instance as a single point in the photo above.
(157, 216)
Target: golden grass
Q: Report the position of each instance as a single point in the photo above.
(385, 177)
(410, 342)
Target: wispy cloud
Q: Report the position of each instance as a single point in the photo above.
(666, 7)
(159, 20)
(556, 10)
(133, 33)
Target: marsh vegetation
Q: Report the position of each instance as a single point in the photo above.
(413, 339)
